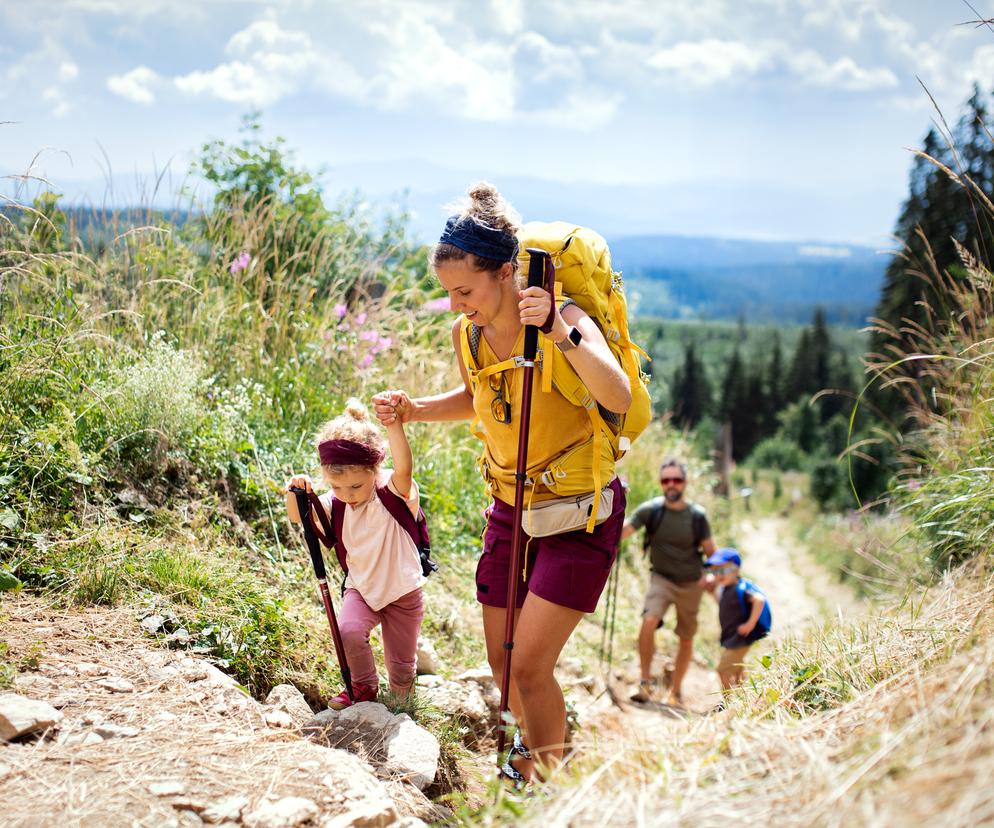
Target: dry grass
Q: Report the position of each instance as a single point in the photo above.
(914, 745)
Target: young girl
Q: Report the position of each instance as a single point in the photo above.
(385, 574)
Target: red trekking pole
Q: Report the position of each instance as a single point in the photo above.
(538, 262)
(317, 559)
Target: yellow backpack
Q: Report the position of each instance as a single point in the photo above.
(583, 274)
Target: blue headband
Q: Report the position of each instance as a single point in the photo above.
(473, 237)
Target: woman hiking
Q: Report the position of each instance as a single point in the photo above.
(564, 574)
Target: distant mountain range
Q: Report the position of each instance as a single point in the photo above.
(711, 278)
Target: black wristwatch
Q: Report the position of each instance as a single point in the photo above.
(570, 341)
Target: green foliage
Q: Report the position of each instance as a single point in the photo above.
(778, 453)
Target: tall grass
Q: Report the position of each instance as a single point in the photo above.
(162, 373)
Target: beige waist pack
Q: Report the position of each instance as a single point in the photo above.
(566, 514)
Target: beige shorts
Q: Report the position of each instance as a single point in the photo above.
(686, 597)
(732, 659)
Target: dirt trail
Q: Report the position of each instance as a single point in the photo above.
(800, 591)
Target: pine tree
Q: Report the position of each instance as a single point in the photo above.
(691, 389)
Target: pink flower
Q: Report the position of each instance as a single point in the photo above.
(438, 305)
(361, 319)
(340, 310)
(914, 484)
(366, 361)
(240, 262)
(384, 343)
(368, 336)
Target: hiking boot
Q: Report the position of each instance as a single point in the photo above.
(362, 693)
(646, 692)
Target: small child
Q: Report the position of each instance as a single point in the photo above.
(385, 574)
(743, 612)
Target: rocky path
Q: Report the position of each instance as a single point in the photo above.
(801, 592)
(139, 735)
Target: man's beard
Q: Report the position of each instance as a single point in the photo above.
(673, 495)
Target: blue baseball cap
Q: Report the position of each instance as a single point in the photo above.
(724, 556)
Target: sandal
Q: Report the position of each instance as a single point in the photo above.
(518, 747)
(646, 692)
(513, 775)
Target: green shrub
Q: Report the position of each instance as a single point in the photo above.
(778, 453)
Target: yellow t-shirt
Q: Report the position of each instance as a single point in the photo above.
(556, 426)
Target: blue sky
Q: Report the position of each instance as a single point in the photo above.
(744, 118)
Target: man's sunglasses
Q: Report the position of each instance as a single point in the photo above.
(672, 481)
(722, 570)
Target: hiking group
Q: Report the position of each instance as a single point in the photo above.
(557, 511)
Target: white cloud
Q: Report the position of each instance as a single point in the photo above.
(236, 82)
(60, 106)
(509, 15)
(843, 73)
(135, 85)
(68, 71)
(710, 61)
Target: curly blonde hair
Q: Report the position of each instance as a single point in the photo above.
(486, 206)
(354, 424)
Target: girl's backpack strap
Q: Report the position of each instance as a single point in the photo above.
(330, 533)
(338, 520)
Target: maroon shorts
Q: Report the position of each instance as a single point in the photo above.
(569, 569)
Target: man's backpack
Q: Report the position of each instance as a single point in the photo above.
(416, 527)
(697, 519)
(583, 274)
(765, 621)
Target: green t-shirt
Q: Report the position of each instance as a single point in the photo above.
(671, 548)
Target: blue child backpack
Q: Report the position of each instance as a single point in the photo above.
(765, 622)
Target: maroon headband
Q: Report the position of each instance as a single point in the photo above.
(348, 453)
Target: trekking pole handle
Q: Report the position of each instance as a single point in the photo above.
(313, 546)
(536, 278)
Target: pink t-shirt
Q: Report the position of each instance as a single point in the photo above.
(382, 558)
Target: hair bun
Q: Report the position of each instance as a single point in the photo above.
(356, 410)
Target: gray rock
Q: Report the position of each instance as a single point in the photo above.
(283, 813)
(113, 731)
(185, 803)
(481, 675)
(87, 668)
(412, 752)
(394, 744)
(81, 739)
(152, 623)
(366, 815)
(20, 716)
(228, 809)
(288, 699)
(429, 680)
(464, 701)
(116, 684)
(279, 718)
(168, 787)
(427, 658)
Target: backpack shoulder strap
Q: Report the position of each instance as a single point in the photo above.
(401, 513)
(652, 524)
(338, 521)
(697, 517)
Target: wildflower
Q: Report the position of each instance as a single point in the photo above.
(341, 310)
(369, 336)
(384, 342)
(438, 305)
(361, 319)
(241, 262)
(366, 361)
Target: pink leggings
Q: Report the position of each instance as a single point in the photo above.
(401, 623)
